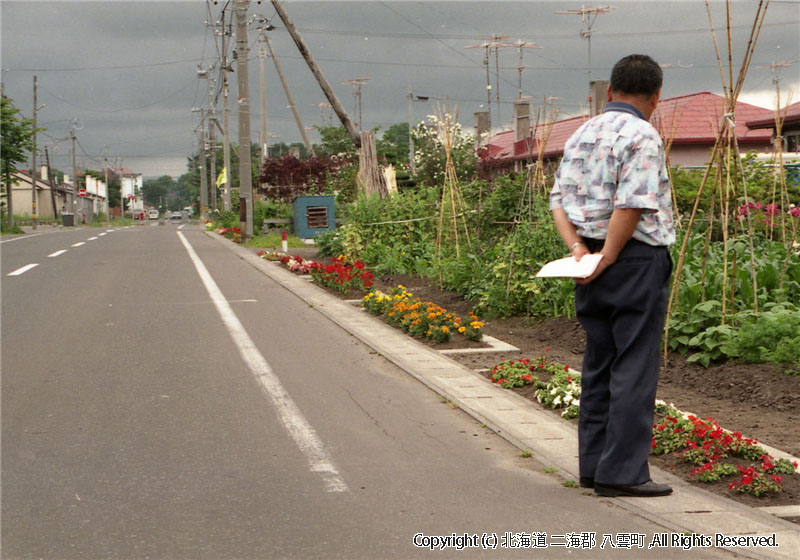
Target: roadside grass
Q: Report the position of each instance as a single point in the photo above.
(271, 240)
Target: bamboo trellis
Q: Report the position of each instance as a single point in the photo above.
(452, 230)
(727, 157)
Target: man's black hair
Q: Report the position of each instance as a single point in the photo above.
(636, 74)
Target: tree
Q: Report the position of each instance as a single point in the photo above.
(155, 191)
(393, 145)
(336, 141)
(16, 139)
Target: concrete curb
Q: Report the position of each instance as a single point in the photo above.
(552, 440)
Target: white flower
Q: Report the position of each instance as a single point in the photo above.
(568, 399)
(554, 390)
(557, 401)
(576, 402)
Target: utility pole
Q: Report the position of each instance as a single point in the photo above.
(357, 83)
(262, 84)
(245, 169)
(315, 69)
(108, 190)
(226, 142)
(212, 140)
(289, 97)
(33, 156)
(203, 174)
(74, 204)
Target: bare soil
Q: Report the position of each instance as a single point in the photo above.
(759, 400)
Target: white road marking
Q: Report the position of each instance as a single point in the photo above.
(181, 226)
(23, 270)
(91, 238)
(79, 243)
(298, 427)
(26, 236)
(57, 253)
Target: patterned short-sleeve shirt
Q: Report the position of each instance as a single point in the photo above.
(615, 160)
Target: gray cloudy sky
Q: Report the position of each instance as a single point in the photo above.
(126, 72)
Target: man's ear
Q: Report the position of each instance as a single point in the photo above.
(608, 93)
(654, 99)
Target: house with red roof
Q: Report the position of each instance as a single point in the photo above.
(790, 129)
(689, 123)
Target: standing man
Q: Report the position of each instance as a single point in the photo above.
(612, 196)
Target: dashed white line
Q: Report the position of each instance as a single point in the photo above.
(102, 234)
(23, 270)
(57, 253)
(91, 238)
(79, 244)
(298, 427)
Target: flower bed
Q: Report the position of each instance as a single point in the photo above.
(714, 453)
(422, 319)
(704, 444)
(340, 275)
(232, 233)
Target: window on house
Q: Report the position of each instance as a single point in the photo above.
(791, 141)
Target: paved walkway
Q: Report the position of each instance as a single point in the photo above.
(552, 440)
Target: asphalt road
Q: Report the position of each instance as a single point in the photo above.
(145, 415)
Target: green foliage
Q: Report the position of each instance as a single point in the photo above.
(710, 342)
(16, 133)
(270, 209)
(761, 180)
(330, 242)
(509, 286)
(407, 220)
(772, 336)
(7, 229)
(335, 140)
(393, 145)
(697, 323)
(227, 219)
(16, 140)
(272, 240)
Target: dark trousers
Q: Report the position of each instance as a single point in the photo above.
(622, 312)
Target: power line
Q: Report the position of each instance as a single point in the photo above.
(461, 37)
(187, 86)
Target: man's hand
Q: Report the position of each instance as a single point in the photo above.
(604, 263)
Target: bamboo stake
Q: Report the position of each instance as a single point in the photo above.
(731, 96)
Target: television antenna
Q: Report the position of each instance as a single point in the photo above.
(588, 17)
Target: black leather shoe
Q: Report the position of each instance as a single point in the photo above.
(586, 482)
(647, 490)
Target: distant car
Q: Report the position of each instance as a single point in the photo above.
(153, 214)
(176, 217)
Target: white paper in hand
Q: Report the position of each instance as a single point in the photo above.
(570, 268)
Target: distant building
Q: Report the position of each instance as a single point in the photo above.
(790, 130)
(689, 122)
(46, 195)
(130, 187)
